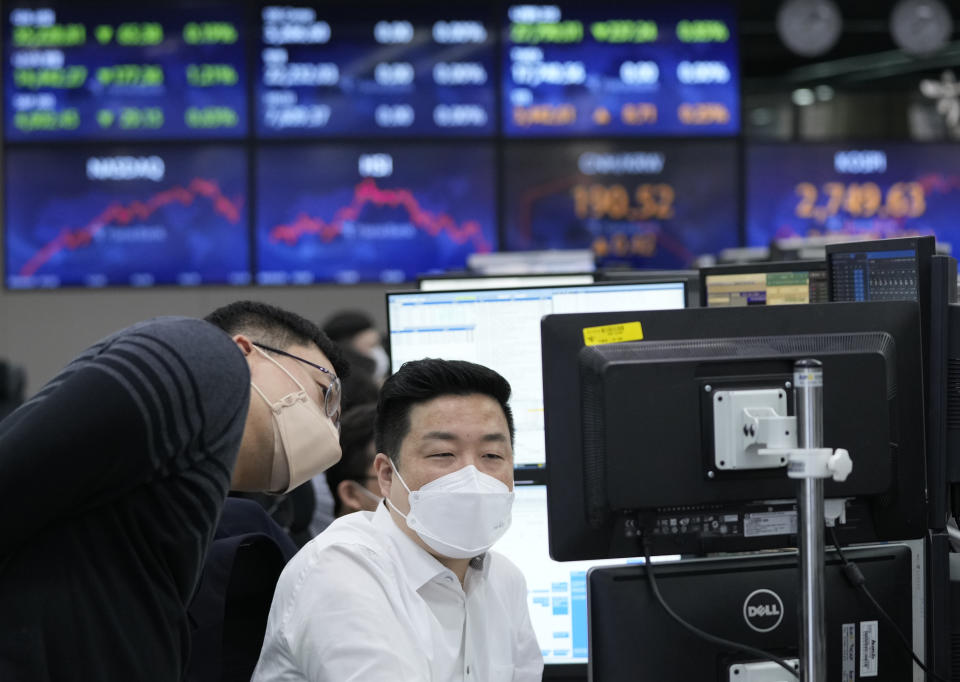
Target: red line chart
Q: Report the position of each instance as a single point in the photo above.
(367, 193)
(116, 213)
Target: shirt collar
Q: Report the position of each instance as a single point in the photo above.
(419, 566)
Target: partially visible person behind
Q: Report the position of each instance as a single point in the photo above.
(228, 613)
(353, 480)
(353, 332)
(412, 592)
(113, 476)
(292, 511)
(356, 331)
(360, 387)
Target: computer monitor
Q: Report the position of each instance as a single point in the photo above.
(691, 277)
(744, 254)
(764, 284)
(755, 600)
(500, 328)
(556, 592)
(809, 248)
(881, 270)
(550, 261)
(631, 439)
(464, 280)
(903, 269)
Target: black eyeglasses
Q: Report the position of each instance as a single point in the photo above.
(331, 393)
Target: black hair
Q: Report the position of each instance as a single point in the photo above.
(420, 381)
(345, 324)
(273, 326)
(356, 435)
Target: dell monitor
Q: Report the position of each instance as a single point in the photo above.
(500, 328)
(754, 600)
(778, 283)
(643, 435)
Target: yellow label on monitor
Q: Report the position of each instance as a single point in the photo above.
(613, 333)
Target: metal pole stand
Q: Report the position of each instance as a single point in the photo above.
(811, 463)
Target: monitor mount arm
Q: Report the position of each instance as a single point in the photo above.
(810, 464)
(753, 431)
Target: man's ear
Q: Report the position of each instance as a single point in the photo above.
(244, 343)
(349, 500)
(384, 468)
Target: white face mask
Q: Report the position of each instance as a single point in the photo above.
(306, 441)
(459, 515)
(381, 362)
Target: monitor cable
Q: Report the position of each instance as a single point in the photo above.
(713, 639)
(855, 578)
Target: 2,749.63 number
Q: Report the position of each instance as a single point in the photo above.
(860, 200)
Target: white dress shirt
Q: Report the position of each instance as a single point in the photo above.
(362, 602)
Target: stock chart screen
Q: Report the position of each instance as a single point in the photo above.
(126, 216)
(888, 190)
(332, 71)
(371, 213)
(632, 69)
(652, 205)
(74, 71)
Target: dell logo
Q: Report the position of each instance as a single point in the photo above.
(766, 610)
(763, 610)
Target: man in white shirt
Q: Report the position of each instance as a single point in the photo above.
(410, 592)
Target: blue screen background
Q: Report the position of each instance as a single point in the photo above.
(604, 87)
(773, 172)
(174, 96)
(540, 207)
(188, 228)
(458, 185)
(318, 219)
(354, 99)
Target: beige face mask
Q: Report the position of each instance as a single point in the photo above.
(306, 441)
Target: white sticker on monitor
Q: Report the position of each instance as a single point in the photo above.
(849, 653)
(869, 648)
(769, 523)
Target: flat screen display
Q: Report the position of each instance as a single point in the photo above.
(79, 71)
(656, 205)
(734, 286)
(881, 191)
(880, 275)
(578, 69)
(137, 216)
(371, 213)
(328, 71)
(477, 325)
(500, 282)
(556, 591)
